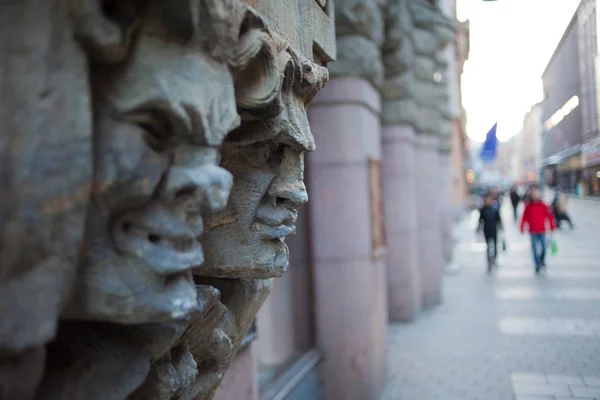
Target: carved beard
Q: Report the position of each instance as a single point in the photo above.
(195, 366)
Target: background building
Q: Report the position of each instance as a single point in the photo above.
(561, 114)
(459, 153)
(588, 40)
(528, 146)
(502, 170)
(570, 108)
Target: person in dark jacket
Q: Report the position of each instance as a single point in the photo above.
(515, 199)
(496, 196)
(559, 208)
(490, 221)
(537, 215)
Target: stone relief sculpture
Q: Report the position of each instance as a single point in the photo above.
(244, 243)
(45, 181)
(266, 158)
(102, 213)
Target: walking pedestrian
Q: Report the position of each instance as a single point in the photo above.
(515, 199)
(490, 221)
(535, 216)
(559, 207)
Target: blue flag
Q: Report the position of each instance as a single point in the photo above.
(490, 146)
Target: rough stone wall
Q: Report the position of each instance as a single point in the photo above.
(445, 33)
(152, 167)
(414, 93)
(359, 37)
(399, 105)
(427, 91)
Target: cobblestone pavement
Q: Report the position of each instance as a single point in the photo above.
(510, 335)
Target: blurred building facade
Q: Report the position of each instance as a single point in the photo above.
(528, 146)
(459, 153)
(588, 21)
(561, 113)
(570, 135)
(503, 169)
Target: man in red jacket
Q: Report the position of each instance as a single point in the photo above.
(535, 215)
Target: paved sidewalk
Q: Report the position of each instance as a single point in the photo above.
(511, 335)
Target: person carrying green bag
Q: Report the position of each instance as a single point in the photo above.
(553, 246)
(535, 216)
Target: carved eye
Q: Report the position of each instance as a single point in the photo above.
(260, 155)
(276, 154)
(257, 154)
(154, 137)
(157, 128)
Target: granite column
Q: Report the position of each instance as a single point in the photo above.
(426, 92)
(398, 164)
(348, 239)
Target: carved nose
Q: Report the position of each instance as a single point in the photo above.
(288, 186)
(203, 189)
(289, 190)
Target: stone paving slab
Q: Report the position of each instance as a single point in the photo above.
(512, 335)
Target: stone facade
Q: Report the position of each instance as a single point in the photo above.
(416, 136)
(153, 166)
(400, 122)
(154, 157)
(386, 109)
(348, 239)
(459, 156)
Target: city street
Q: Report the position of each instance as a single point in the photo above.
(511, 335)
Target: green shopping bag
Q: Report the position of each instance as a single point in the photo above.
(553, 246)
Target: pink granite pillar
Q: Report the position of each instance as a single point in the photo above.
(240, 381)
(401, 223)
(431, 263)
(445, 198)
(347, 239)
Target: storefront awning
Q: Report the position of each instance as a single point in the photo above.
(558, 158)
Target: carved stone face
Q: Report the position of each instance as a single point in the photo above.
(160, 119)
(247, 239)
(245, 243)
(266, 158)
(268, 190)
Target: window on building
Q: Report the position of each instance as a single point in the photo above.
(561, 113)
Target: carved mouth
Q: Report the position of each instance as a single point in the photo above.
(275, 223)
(164, 252)
(274, 233)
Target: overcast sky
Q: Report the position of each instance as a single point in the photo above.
(511, 43)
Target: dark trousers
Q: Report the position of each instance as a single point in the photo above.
(491, 239)
(563, 217)
(515, 208)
